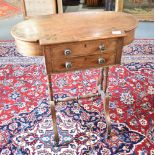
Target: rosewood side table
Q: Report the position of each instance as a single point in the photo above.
(74, 41)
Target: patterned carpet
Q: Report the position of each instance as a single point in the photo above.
(25, 119)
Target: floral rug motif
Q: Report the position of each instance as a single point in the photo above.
(25, 118)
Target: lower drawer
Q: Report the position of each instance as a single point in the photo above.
(83, 62)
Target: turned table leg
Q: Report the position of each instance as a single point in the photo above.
(55, 129)
(107, 115)
(51, 102)
(102, 89)
(53, 111)
(106, 100)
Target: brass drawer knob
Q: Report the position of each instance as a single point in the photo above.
(101, 61)
(102, 47)
(67, 52)
(68, 65)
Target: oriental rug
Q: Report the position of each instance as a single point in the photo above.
(25, 118)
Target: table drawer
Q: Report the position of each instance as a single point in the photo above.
(83, 62)
(82, 48)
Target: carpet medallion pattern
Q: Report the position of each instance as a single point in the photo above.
(25, 118)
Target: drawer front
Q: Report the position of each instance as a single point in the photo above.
(82, 48)
(83, 62)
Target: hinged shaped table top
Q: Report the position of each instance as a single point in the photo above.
(74, 27)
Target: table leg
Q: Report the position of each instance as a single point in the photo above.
(102, 90)
(51, 102)
(107, 116)
(106, 100)
(55, 129)
(53, 111)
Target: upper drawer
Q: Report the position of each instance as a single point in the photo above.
(82, 48)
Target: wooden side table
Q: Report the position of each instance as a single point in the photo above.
(74, 41)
